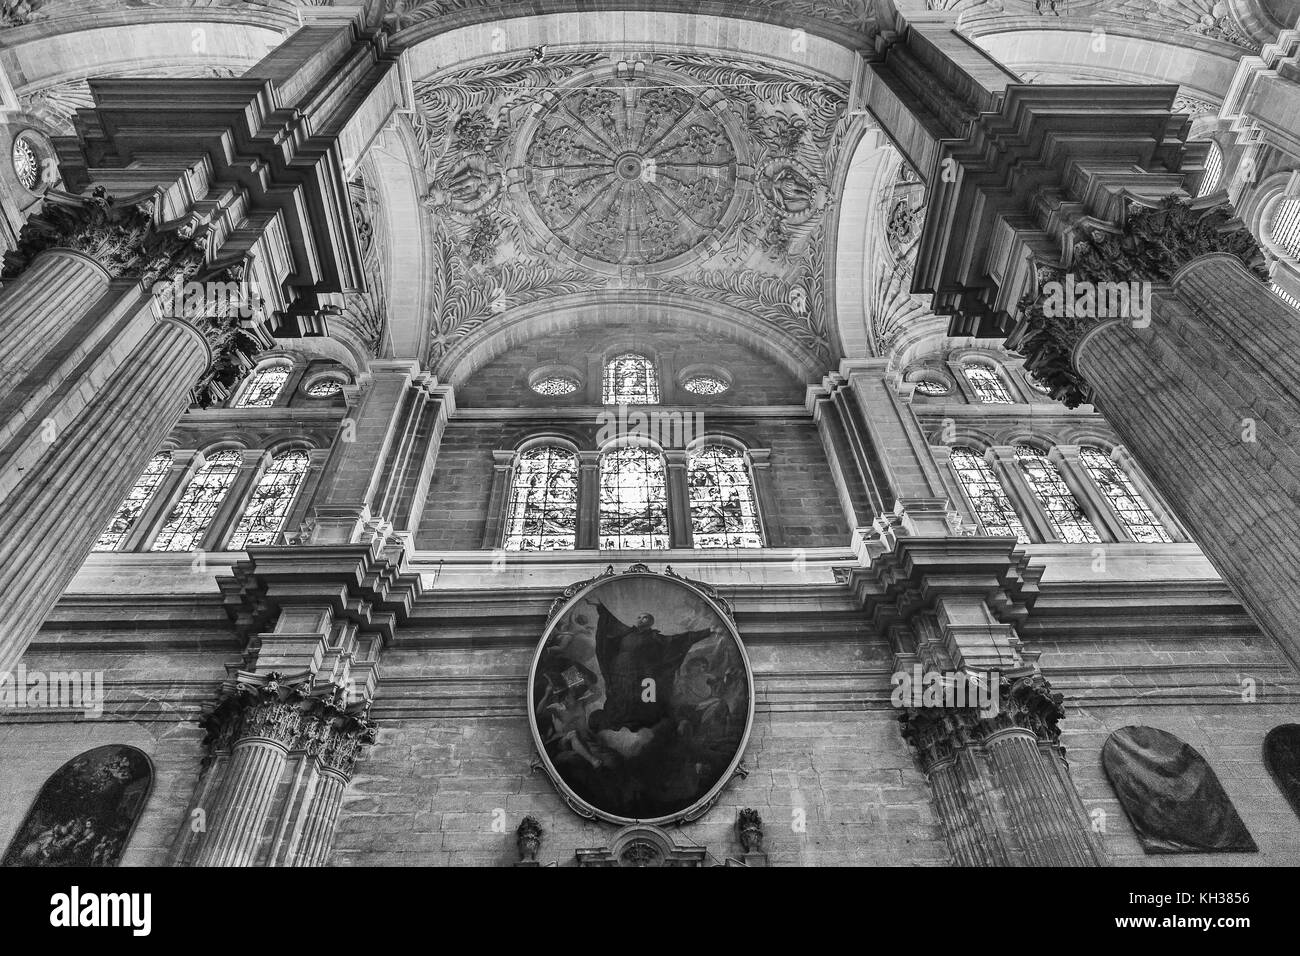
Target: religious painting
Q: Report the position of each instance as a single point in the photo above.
(86, 811)
(1282, 757)
(640, 697)
(1171, 795)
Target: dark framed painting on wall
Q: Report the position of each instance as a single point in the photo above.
(86, 811)
(640, 697)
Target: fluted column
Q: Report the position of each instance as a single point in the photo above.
(999, 783)
(1201, 386)
(115, 378)
(290, 748)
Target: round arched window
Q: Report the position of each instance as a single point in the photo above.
(1213, 171)
(27, 164)
(929, 386)
(324, 388)
(553, 385)
(705, 385)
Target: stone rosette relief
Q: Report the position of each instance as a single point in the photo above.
(704, 176)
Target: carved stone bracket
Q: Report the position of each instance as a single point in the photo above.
(368, 585)
(293, 712)
(642, 845)
(528, 838)
(1150, 244)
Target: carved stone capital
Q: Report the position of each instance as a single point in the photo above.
(1150, 245)
(293, 712)
(1025, 701)
(122, 236)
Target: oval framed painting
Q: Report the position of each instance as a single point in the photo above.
(640, 698)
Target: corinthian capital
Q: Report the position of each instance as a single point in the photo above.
(1154, 241)
(292, 712)
(122, 236)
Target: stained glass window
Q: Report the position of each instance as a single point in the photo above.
(992, 506)
(189, 520)
(630, 379)
(555, 385)
(705, 385)
(723, 513)
(269, 504)
(1118, 488)
(1213, 171)
(988, 387)
(1285, 296)
(26, 166)
(928, 386)
(543, 513)
(129, 511)
(1286, 227)
(324, 388)
(1063, 512)
(633, 498)
(263, 387)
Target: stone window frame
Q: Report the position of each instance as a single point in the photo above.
(42, 151)
(1000, 461)
(958, 360)
(659, 360)
(697, 370)
(255, 459)
(676, 462)
(756, 464)
(262, 363)
(928, 372)
(1258, 211)
(507, 468)
(313, 377)
(543, 372)
(1078, 483)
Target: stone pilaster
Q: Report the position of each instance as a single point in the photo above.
(679, 500)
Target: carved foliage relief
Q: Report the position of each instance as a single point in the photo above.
(697, 175)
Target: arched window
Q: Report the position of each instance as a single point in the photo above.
(543, 514)
(137, 499)
(992, 506)
(1285, 296)
(1286, 227)
(723, 513)
(1133, 512)
(633, 498)
(1063, 513)
(630, 379)
(269, 504)
(263, 387)
(987, 385)
(189, 520)
(86, 811)
(1213, 171)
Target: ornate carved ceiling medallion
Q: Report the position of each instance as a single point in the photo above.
(703, 176)
(630, 170)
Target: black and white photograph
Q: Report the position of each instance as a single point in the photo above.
(720, 434)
